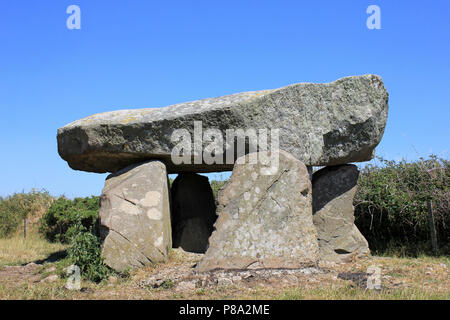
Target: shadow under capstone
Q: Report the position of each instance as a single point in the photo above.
(193, 212)
(333, 187)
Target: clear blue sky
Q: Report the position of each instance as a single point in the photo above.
(143, 53)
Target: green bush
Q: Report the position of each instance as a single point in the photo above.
(9, 221)
(216, 186)
(85, 252)
(391, 205)
(15, 208)
(59, 223)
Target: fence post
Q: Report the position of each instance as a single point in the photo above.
(24, 228)
(432, 227)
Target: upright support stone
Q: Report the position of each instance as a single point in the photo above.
(135, 216)
(193, 212)
(265, 221)
(333, 191)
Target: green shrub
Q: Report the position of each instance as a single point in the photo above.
(391, 205)
(15, 208)
(59, 223)
(216, 186)
(85, 252)
(9, 221)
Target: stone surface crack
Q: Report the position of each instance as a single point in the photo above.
(127, 200)
(128, 240)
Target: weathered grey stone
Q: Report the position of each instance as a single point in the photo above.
(51, 278)
(320, 124)
(265, 221)
(135, 216)
(333, 191)
(186, 286)
(193, 212)
(112, 279)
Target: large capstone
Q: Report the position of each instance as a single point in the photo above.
(135, 216)
(193, 212)
(319, 124)
(333, 191)
(265, 217)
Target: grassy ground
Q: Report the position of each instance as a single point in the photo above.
(402, 278)
(17, 250)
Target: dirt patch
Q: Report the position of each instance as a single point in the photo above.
(15, 275)
(187, 279)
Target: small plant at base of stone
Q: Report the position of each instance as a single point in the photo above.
(85, 252)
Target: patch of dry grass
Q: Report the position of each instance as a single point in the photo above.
(17, 250)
